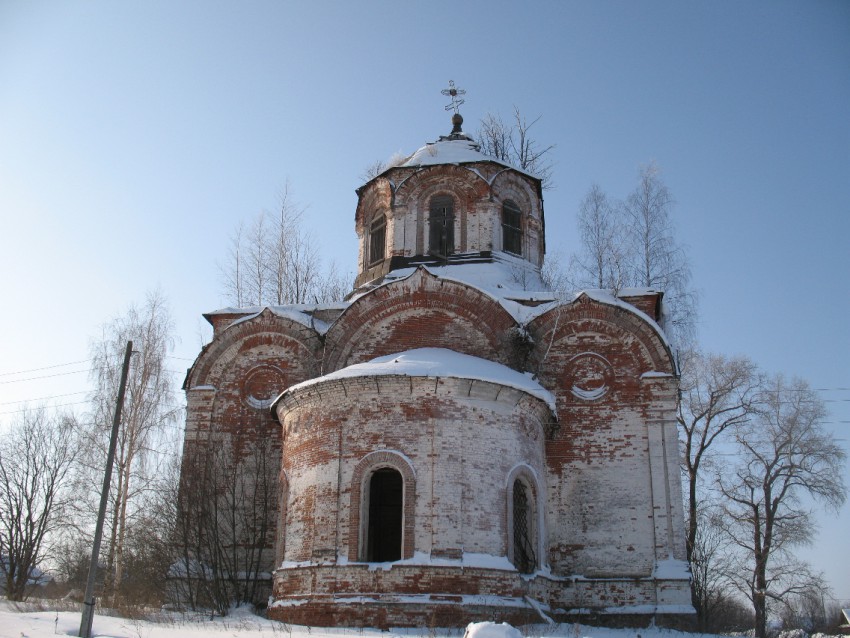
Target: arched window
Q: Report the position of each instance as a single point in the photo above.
(283, 503)
(377, 239)
(523, 528)
(511, 228)
(442, 224)
(384, 528)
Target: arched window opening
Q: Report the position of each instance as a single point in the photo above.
(524, 558)
(377, 239)
(442, 226)
(384, 532)
(511, 228)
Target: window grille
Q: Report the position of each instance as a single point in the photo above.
(377, 239)
(442, 225)
(511, 228)
(523, 547)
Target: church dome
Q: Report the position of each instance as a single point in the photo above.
(448, 203)
(459, 151)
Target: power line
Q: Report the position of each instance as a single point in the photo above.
(55, 396)
(62, 374)
(61, 405)
(45, 376)
(57, 365)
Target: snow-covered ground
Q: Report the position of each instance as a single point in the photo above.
(17, 622)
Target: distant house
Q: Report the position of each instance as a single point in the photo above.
(37, 577)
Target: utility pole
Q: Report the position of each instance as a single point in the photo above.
(88, 601)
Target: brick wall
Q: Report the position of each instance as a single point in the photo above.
(403, 196)
(457, 440)
(606, 478)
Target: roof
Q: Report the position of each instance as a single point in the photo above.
(456, 149)
(461, 150)
(512, 282)
(434, 363)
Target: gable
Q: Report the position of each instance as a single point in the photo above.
(421, 310)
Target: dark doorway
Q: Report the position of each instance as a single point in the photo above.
(386, 496)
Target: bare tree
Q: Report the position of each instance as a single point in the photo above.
(658, 261)
(494, 136)
(292, 258)
(379, 166)
(149, 407)
(256, 267)
(809, 611)
(149, 549)
(604, 258)
(333, 286)
(556, 277)
(514, 143)
(233, 277)
(36, 455)
(633, 244)
(717, 396)
(275, 261)
(373, 170)
(711, 563)
(225, 514)
(785, 460)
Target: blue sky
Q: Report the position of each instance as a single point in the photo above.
(135, 136)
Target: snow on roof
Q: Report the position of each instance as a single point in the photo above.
(514, 282)
(508, 280)
(458, 151)
(511, 281)
(300, 313)
(439, 362)
(449, 152)
(491, 630)
(672, 569)
(608, 297)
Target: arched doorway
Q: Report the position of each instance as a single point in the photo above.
(386, 499)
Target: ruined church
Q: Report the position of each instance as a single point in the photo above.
(453, 441)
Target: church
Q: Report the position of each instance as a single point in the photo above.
(453, 441)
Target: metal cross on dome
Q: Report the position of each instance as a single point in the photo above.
(454, 93)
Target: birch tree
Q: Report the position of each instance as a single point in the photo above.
(632, 243)
(234, 278)
(149, 407)
(275, 261)
(658, 261)
(604, 258)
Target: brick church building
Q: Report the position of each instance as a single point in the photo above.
(456, 442)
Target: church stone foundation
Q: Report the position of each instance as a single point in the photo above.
(369, 595)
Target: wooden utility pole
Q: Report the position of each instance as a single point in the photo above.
(88, 601)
